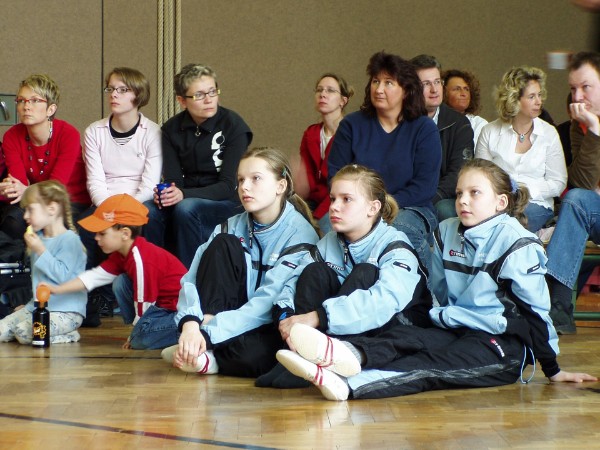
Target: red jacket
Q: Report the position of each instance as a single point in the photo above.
(316, 168)
(65, 159)
(154, 272)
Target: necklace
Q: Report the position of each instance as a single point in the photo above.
(44, 161)
(522, 135)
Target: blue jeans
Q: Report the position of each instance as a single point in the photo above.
(537, 216)
(155, 329)
(416, 222)
(446, 208)
(193, 221)
(578, 220)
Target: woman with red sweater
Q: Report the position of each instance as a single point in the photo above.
(331, 97)
(40, 148)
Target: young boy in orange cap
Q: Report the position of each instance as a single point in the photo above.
(145, 278)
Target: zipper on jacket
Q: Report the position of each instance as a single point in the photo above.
(260, 265)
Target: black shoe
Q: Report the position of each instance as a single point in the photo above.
(105, 307)
(92, 320)
(564, 323)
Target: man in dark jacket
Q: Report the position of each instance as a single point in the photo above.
(455, 129)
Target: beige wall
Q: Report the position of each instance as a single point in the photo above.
(268, 54)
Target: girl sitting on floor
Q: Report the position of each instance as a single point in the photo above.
(224, 307)
(57, 255)
(488, 274)
(364, 276)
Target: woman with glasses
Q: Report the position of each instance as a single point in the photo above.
(525, 146)
(123, 155)
(123, 151)
(462, 94)
(202, 147)
(331, 97)
(40, 148)
(392, 135)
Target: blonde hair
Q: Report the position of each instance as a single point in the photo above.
(511, 89)
(279, 164)
(373, 186)
(189, 74)
(45, 87)
(46, 192)
(517, 194)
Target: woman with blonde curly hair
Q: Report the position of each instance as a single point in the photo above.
(524, 145)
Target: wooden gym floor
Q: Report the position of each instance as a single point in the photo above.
(94, 395)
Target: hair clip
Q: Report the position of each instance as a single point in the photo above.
(514, 187)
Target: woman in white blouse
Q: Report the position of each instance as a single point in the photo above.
(524, 145)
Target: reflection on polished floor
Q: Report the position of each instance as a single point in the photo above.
(94, 395)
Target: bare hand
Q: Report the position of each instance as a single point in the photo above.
(285, 326)
(582, 115)
(127, 345)
(589, 5)
(168, 197)
(191, 345)
(12, 189)
(52, 287)
(34, 243)
(572, 377)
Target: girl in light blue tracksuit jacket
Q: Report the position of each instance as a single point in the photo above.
(364, 274)
(224, 306)
(488, 275)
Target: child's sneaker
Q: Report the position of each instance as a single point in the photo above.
(332, 386)
(72, 336)
(320, 349)
(206, 365)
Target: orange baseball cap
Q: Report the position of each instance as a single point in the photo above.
(121, 209)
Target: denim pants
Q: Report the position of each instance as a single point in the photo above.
(578, 220)
(193, 221)
(155, 329)
(537, 216)
(445, 208)
(417, 222)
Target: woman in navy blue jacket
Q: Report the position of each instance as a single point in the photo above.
(392, 135)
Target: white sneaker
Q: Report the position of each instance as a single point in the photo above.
(332, 386)
(206, 365)
(324, 351)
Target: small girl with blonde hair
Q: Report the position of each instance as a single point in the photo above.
(57, 255)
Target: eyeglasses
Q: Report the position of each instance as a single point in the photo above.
(437, 83)
(202, 95)
(120, 90)
(327, 90)
(34, 101)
